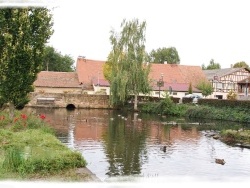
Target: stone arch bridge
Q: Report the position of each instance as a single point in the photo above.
(64, 100)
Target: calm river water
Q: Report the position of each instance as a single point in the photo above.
(119, 146)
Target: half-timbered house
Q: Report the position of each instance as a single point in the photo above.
(225, 80)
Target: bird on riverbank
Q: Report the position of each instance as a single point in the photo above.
(220, 161)
(164, 148)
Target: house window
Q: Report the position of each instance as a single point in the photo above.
(174, 93)
(219, 85)
(45, 101)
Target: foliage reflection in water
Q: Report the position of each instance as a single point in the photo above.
(117, 144)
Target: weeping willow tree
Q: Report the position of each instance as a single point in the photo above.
(129, 73)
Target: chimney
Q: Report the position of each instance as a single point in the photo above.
(82, 57)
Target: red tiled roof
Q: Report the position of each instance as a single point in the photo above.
(89, 70)
(173, 73)
(57, 79)
(180, 76)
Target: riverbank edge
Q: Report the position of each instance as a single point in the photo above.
(91, 175)
(229, 140)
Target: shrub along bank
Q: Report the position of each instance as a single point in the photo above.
(30, 149)
(204, 110)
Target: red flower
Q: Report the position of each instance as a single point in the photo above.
(23, 116)
(42, 116)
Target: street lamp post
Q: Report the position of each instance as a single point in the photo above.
(215, 81)
(160, 84)
(246, 87)
(98, 80)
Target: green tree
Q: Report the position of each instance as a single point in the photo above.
(205, 87)
(55, 61)
(232, 95)
(162, 55)
(241, 64)
(107, 68)
(23, 35)
(190, 88)
(212, 65)
(129, 74)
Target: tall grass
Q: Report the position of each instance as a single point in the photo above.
(28, 145)
(13, 159)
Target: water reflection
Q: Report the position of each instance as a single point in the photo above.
(119, 144)
(125, 146)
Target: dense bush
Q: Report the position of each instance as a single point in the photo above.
(187, 100)
(224, 113)
(165, 107)
(241, 104)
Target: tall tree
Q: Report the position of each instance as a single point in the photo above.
(162, 55)
(212, 65)
(129, 74)
(241, 64)
(23, 35)
(190, 88)
(55, 61)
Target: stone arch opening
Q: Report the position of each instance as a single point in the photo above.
(70, 107)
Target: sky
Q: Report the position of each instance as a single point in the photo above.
(200, 30)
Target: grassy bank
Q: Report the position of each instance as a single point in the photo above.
(30, 150)
(236, 137)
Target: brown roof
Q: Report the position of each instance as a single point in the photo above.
(173, 73)
(57, 79)
(89, 71)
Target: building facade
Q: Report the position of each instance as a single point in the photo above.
(225, 80)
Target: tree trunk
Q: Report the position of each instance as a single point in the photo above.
(135, 103)
(11, 110)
